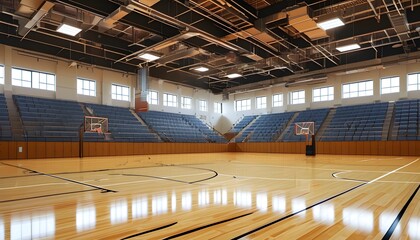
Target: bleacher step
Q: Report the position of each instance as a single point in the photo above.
(325, 124)
(292, 120)
(243, 129)
(15, 120)
(389, 121)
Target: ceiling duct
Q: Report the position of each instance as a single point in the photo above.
(25, 25)
(301, 20)
(109, 22)
(399, 21)
(309, 81)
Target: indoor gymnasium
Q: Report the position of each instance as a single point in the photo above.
(209, 119)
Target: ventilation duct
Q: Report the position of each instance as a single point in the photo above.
(26, 25)
(301, 20)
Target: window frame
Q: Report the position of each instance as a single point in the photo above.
(217, 107)
(202, 105)
(262, 104)
(328, 96)
(358, 90)
(185, 105)
(244, 107)
(151, 100)
(292, 100)
(417, 84)
(120, 94)
(280, 98)
(391, 87)
(82, 89)
(171, 103)
(33, 81)
(2, 74)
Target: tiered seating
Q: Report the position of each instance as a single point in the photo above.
(242, 123)
(357, 123)
(317, 116)
(266, 128)
(5, 131)
(49, 120)
(406, 120)
(123, 125)
(173, 127)
(202, 127)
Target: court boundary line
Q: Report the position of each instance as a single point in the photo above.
(206, 226)
(393, 171)
(149, 231)
(397, 219)
(103, 190)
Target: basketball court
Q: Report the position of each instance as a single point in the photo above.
(211, 196)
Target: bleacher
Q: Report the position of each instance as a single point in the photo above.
(357, 123)
(406, 120)
(174, 127)
(242, 123)
(266, 128)
(5, 130)
(123, 126)
(202, 127)
(49, 120)
(317, 116)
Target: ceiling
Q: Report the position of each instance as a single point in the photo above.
(260, 39)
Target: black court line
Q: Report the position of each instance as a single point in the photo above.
(350, 179)
(295, 213)
(171, 179)
(149, 231)
(104, 190)
(394, 224)
(206, 226)
(43, 196)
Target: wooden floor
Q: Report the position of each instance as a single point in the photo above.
(211, 196)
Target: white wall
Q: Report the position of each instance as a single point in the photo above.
(332, 80)
(66, 88)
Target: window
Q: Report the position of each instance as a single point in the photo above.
(1, 74)
(202, 105)
(261, 102)
(323, 94)
(186, 102)
(413, 83)
(358, 89)
(170, 100)
(297, 97)
(120, 92)
(278, 100)
(86, 87)
(390, 85)
(33, 79)
(243, 105)
(218, 107)
(153, 97)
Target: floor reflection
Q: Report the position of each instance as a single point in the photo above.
(159, 204)
(279, 204)
(299, 204)
(2, 232)
(139, 207)
(118, 211)
(220, 196)
(385, 221)
(85, 217)
(414, 228)
(203, 198)
(242, 198)
(358, 219)
(35, 225)
(186, 201)
(324, 213)
(262, 202)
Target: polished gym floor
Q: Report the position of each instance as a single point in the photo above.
(211, 196)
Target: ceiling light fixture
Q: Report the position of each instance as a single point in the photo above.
(331, 23)
(233, 75)
(69, 30)
(348, 47)
(149, 57)
(201, 69)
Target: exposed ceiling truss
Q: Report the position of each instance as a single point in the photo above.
(260, 39)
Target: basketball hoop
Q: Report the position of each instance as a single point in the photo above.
(308, 130)
(96, 124)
